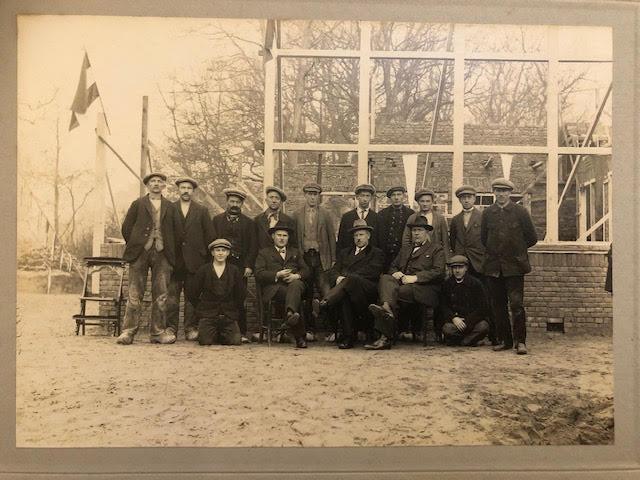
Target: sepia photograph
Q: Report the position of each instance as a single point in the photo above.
(313, 233)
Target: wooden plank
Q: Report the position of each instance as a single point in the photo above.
(363, 102)
(552, 135)
(457, 168)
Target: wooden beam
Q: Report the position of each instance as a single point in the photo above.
(269, 119)
(363, 103)
(552, 135)
(457, 168)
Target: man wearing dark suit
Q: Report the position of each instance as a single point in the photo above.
(271, 216)
(391, 223)
(240, 230)
(364, 195)
(414, 277)
(281, 271)
(507, 232)
(150, 230)
(195, 235)
(463, 305)
(465, 240)
(440, 234)
(355, 282)
(317, 241)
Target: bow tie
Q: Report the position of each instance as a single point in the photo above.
(282, 250)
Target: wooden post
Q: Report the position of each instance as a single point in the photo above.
(98, 209)
(553, 207)
(144, 143)
(269, 114)
(458, 116)
(363, 102)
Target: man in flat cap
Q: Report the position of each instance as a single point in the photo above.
(150, 228)
(414, 278)
(364, 195)
(281, 272)
(272, 216)
(196, 232)
(241, 231)
(217, 293)
(440, 235)
(391, 223)
(465, 240)
(355, 283)
(507, 232)
(317, 241)
(463, 305)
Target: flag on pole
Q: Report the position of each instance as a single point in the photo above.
(84, 96)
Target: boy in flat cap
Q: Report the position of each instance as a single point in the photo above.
(364, 194)
(196, 232)
(218, 294)
(414, 278)
(272, 216)
(150, 229)
(240, 230)
(507, 232)
(440, 234)
(281, 271)
(317, 241)
(391, 223)
(463, 305)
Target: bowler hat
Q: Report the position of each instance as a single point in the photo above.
(279, 191)
(149, 176)
(466, 189)
(422, 192)
(365, 187)
(234, 192)
(281, 226)
(220, 242)
(398, 188)
(420, 222)
(458, 260)
(503, 183)
(187, 179)
(312, 187)
(360, 224)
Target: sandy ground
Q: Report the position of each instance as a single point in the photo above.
(75, 391)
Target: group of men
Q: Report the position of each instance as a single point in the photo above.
(374, 279)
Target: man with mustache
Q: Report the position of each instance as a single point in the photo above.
(272, 216)
(192, 252)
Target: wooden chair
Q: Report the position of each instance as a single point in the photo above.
(94, 265)
(271, 317)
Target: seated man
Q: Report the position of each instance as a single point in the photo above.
(217, 293)
(414, 277)
(463, 306)
(281, 271)
(354, 278)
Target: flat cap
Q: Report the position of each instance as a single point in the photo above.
(188, 180)
(466, 189)
(422, 192)
(458, 260)
(503, 183)
(420, 222)
(360, 224)
(279, 191)
(149, 176)
(234, 192)
(398, 188)
(312, 187)
(365, 187)
(281, 226)
(220, 242)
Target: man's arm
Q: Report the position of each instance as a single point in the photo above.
(528, 229)
(264, 274)
(193, 289)
(484, 227)
(130, 221)
(436, 271)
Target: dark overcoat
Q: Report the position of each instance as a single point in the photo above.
(466, 299)
(428, 264)
(439, 235)
(507, 233)
(345, 238)
(212, 296)
(389, 234)
(269, 262)
(262, 226)
(196, 233)
(365, 268)
(222, 228)
(466, 240)
(138, 223)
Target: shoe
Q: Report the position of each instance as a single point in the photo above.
(244, 339)
(255, 337)
(345, 344)
(125, 339)
(405, 336)
(382, 343)
(521, 349)
(331, 337)
(191, 335)
(301, 343)
(310, 337)
(502, 346)
(165, 338)
(293, 318)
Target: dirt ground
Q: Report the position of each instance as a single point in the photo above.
(75, 391)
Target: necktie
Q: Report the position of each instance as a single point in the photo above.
(283, 252)
(363, 214)
(273, 220)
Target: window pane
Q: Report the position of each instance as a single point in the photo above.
(506, 38)
(320, 34)
(404, 36)
(585, 43)
(406, 94)
(582, 89)
(505, 103)
(320, 100)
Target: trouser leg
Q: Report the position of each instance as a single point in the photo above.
(160, 278)
(452, 336)
(228, 330)
(293, 303)
(190, 320)
(207, 331)
(500, 312)
(515, 293)
(349, 332)
(477, 333)
(138, 271)
(176, 286)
